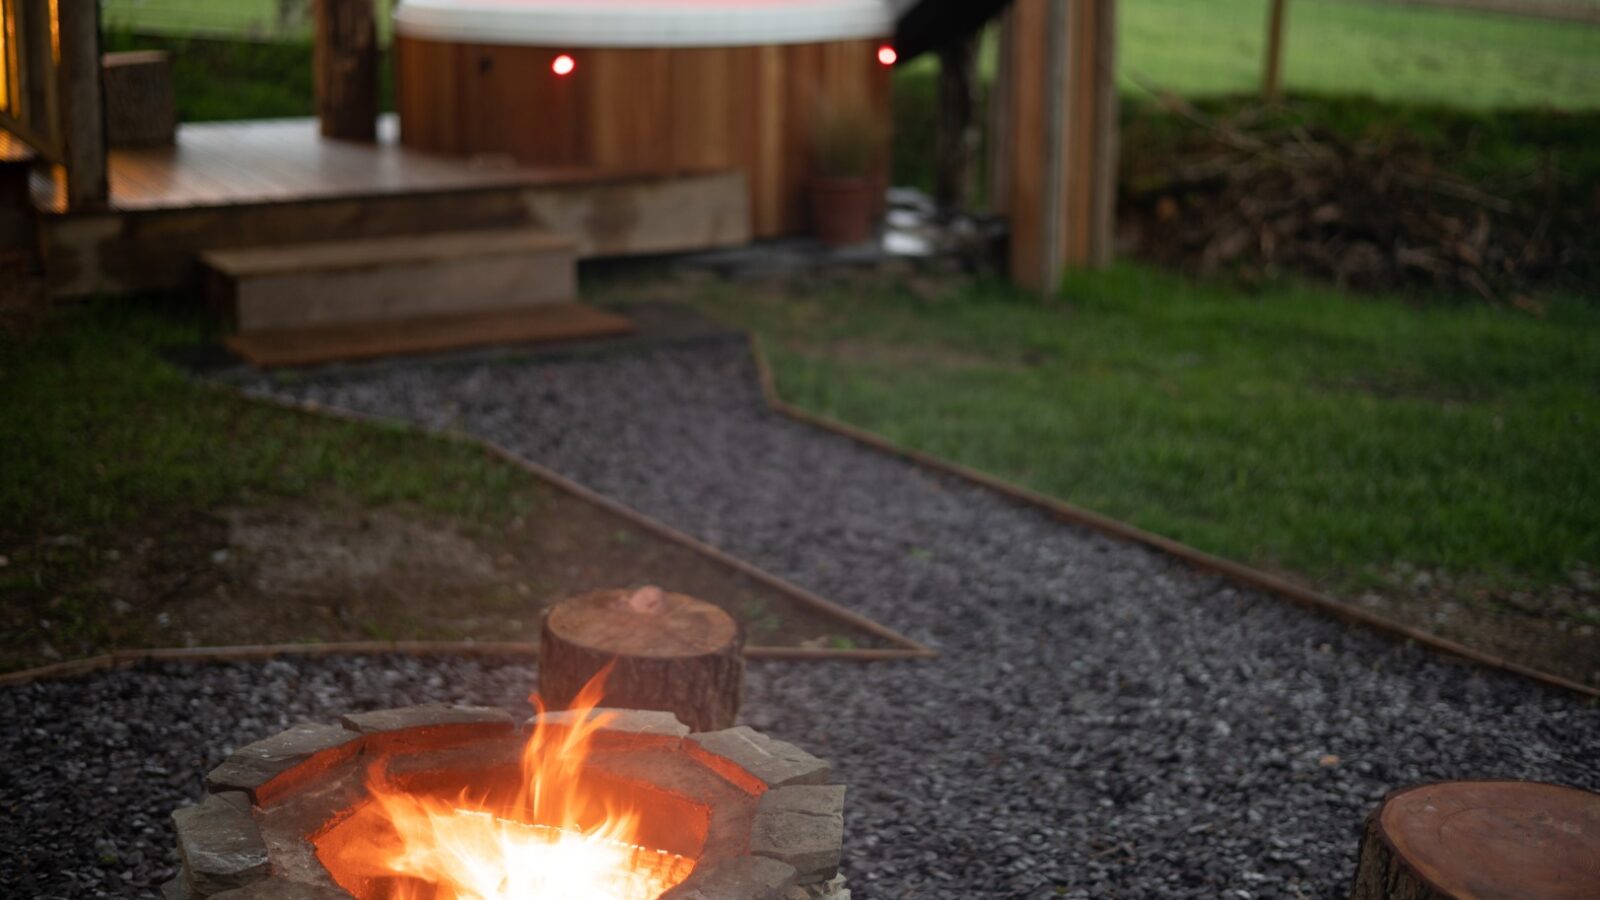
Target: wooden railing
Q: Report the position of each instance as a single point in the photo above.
(29, 90)
(50, 94)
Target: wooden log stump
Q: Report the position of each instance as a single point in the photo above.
(1482, 840)
(672, 653)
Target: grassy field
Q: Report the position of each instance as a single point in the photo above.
(1297, 429)
(1391, 52)
(1387, 51)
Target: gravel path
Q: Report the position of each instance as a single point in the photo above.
(1102, 722)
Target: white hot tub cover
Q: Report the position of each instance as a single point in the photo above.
(644, 23)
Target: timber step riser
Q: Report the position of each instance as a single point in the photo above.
(271, 289)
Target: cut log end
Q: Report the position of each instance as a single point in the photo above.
(671, 652)
(1481, 840)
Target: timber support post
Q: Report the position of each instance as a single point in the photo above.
(1053, 160)
(346, 69)
(83, 120)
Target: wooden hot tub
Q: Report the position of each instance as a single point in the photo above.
(655, 86)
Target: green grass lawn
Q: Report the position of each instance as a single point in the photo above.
(1387, 51)
(1295, 429)
(102, 433)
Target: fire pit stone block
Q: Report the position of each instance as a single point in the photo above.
(282, 889)
(741, 878)
(771, 826)
(759, 763)
(802, 825)
(625, 727)
(428, 726)
(220, 844)
(268, 766)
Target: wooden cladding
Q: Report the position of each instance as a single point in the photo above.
(658, 111)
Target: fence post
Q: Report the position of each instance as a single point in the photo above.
(1272, 77)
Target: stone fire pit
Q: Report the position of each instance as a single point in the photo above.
(757, 816)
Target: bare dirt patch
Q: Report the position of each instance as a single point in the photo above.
(298, 571)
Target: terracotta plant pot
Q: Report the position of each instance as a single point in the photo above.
(842, 209)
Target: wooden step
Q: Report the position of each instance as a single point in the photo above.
(390, 279)
(433, 334)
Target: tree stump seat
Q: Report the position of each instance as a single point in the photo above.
(668, 652)
(1482, 840)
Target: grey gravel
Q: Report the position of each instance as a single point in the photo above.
(1102, 721)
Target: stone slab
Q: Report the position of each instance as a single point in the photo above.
(624, 727)
(802, 825)
(219, 844)
(426, 716)
(742, 878)
(266, 767)
(415, 729)
(758, 762)
(283, 889)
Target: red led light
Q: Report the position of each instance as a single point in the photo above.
(887, 55)
(563, 65)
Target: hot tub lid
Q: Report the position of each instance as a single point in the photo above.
(643, 23)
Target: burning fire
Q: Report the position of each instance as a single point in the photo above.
(533, 848)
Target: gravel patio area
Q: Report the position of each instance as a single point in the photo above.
(1102, 722)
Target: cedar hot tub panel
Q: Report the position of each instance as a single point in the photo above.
(647, 109)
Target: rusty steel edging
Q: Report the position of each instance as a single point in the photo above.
(122, 659)
(1199, 559)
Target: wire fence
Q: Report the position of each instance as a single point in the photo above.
(1481, 54)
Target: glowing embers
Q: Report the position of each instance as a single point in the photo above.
(887, 55)
(563, 65)
(448, 853)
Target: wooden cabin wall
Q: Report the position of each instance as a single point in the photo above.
(660, 111)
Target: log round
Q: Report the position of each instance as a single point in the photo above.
(1482, 840)
(671, 652)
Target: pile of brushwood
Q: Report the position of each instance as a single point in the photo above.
(1255, 191)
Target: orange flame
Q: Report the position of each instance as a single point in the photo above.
(533, 848)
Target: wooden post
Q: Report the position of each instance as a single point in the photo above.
(346, 69)
(1058, 154)
(669, 652)
(1464, 840)
(1272, 76)
(83, 127)
(38, 63)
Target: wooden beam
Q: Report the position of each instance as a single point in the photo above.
(346, 69)
(1272, 76)
(83, 130)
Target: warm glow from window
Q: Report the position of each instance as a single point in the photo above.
(563, 65)
(887, 55)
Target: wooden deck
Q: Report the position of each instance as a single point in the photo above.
(250, 184)
(286, 161)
